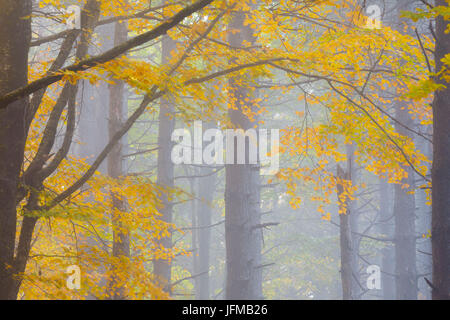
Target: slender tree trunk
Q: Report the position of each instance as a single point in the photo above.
(348, 246)
(121, 238)
(165, 179)
(345, 241)
(423, 221)
(405, 231)
(92, 128)
(204, 220)
(15, 35)
(404, 199)
(441, 169)
(354, 226)
(387, 253)
(194, 222)
(242, 196)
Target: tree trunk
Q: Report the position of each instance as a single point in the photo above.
(92, 127)
(441, 169)
(404, 199)
(15, 35)
(348, 243)
(345, 243)
(387, 253)
(121, 238)
(242, 196)
(204, 220)
(423, 222)
(165, 179)
(405, 231)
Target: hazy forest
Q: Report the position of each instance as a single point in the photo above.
(224, 149)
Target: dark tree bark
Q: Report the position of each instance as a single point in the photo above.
(15, 36)
(441, 169)
(242, 195)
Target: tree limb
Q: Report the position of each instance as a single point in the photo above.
(109, 55)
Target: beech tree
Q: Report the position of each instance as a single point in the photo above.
(15, 103)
